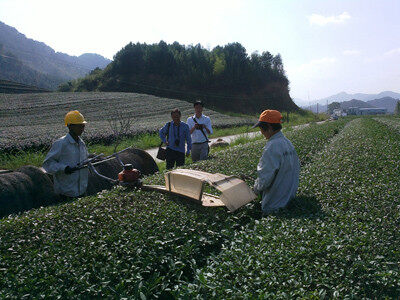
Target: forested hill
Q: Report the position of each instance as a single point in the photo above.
(225, 77)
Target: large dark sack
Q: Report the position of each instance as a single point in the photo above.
(43, 189)
(140, 160)
(15, 193)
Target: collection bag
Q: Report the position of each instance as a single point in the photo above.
(162, 152)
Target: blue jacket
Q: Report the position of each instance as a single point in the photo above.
(180, 132)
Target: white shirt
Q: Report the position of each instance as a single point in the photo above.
(197, 136)
(67, 152)
(278, 173)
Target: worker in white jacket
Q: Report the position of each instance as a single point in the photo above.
(278, 169)
(64, 156)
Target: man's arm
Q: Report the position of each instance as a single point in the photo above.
(191, 125)
(267, 169)
(188, 141)
(51, 163)
(208, 126)
(163, 133)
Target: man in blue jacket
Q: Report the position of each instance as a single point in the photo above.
(174, 134)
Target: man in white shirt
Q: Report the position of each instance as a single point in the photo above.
(279, 167)
(200, 128)
(64, 156)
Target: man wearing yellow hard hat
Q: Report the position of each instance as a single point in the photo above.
(64, 156)
(278, 169)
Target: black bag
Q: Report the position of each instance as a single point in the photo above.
(162, 152)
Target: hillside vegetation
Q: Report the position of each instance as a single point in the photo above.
(338, 239)
(225, 77)
(35, 120)
(10, 87)
(34, 63)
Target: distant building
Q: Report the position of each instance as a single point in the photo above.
(338, 112)
(357, 111)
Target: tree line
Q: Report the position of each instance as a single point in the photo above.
(225, 77)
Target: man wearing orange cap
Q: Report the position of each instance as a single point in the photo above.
(278, 169)
(64, 156)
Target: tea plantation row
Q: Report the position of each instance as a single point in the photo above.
(141, 244)
(339, 239)
(36, 120)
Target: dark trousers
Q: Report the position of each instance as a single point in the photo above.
(173, 157)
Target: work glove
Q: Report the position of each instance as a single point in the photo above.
(69, 170)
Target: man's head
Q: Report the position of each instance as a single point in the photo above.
(269, 122)
(75, 122)
(76, 129)
(176, 115)
(198, 107)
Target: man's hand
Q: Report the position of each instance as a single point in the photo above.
(69, 170)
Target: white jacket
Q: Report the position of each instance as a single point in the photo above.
(197, 135)
(278, 173)
(67, 152)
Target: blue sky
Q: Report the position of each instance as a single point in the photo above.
(327, 46)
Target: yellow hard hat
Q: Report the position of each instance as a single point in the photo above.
(74, 117)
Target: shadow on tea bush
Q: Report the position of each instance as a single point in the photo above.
(302, 207)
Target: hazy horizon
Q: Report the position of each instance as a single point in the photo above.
(327, 47)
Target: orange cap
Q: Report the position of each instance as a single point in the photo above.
(269, 116)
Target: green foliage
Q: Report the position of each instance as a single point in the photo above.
(332, 106)
(219, 65)
(337, 240)
(190, 72)
(397, 108)
(144, 244)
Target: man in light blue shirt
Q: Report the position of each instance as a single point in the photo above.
(177, 133)
(64, 156)
(278, 169)
(200, 128)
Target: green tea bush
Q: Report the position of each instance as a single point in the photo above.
(338, 239)
(141, 244)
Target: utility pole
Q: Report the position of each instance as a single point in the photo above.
(317, 108)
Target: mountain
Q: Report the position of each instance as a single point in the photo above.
(386, 99)
(343, 96)
(93, 61)
(24, 60)
(387, 102)
(355, 103)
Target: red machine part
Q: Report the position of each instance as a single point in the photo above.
(129, 174)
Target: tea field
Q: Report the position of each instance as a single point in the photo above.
(338, 239)
(36, 120)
